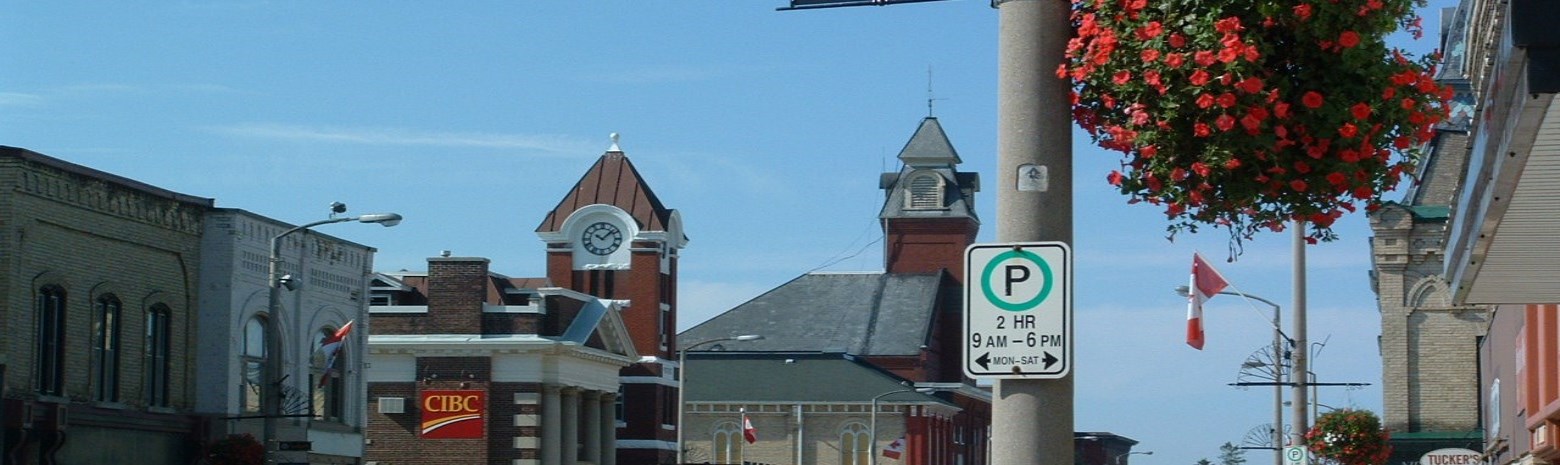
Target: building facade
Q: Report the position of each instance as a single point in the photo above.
(1501, 250)
(325, 289)
(905, 321)
(574, 367)
(98, 302)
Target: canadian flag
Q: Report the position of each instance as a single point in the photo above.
(895, 448)
(748, 431)
(1206, 283)
(331, 346)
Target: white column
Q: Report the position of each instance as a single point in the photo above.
(593, 427)
(571, 426)
(551, 411)
(608, 428)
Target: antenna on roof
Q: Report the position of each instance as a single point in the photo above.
(929, 98)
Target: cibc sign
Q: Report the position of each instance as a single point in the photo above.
(1451, 456)
(453, 414)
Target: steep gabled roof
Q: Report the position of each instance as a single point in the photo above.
(866, 314)
(611, 181)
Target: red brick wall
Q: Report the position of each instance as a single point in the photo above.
(927, 245)
(396, 437)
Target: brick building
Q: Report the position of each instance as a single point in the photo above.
(98, 304)
(902, 326)
(569, 368)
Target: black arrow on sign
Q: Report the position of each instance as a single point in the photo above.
(984, 361)
(1049, 360)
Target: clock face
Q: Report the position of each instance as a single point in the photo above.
(602, 238)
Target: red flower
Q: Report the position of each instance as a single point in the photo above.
(1298, 185)
(1224, 122)
(1312, 99)
(1226, 100)
(1337, 179)
(1281, 110)
(1122, 77)
(1150, 55)
(1177, 40)
(1175, 60)
(1250, 85)
(1114, 178)
(1199, 78)
(1228, 25)
(1348, 39)
(1203, 58)
(1348, 131)
(1150, 30)
(1200, 130)
(1303, 11)
(1360, 111)
(1204, 101)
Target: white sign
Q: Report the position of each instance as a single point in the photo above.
(1018, 310)
(1296, 455)
(1451, 456)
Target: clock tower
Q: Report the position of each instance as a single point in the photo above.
(611, 237)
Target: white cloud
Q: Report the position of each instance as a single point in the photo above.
(18, 99)
(550, 144)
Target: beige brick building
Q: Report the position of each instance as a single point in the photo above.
(97, 304)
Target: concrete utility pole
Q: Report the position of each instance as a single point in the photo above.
(1032, 419)
(1302, 351)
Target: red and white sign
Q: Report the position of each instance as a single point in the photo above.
(453, 414)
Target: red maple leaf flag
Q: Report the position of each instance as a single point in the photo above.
(895, 448)
(1206, 283)
(748, 431)
(331, 346)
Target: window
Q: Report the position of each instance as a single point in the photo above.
(855, 445)
(617, 405)
(156, 371)
(329, 387)
(924, 192)
(726, 446)
(253, 360)
(105, 348)
(50, 348)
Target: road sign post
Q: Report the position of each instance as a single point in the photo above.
(1296, 455)
(1018, 310)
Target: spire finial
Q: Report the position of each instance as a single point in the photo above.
(614, 147)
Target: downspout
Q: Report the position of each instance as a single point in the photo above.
(800, 434)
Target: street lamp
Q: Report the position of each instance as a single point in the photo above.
(1120, 458)
(1278, 372)
(271, 403)
(682, 375)
(872, 432)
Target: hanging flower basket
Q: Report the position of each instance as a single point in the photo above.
(236, 449)
(1349, 437)
(1246, 114)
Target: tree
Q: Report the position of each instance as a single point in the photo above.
(1204, 462)
(1229, 454)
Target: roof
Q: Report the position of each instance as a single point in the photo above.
(611, 181)
(929, 146)
(35, 157)
(748, 377)
(868, 314)
(958, 194)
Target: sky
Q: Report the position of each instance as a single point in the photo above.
(767, 130)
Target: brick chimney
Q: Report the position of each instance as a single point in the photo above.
(457, 288)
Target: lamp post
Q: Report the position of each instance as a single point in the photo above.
(682, 375)
(872, 431)
(1120, 459)
(271, 403)
(1278, 370)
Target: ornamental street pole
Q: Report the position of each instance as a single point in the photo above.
(1302, 351)
(1032, 419)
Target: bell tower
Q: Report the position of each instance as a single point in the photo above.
(929, 209)
(611, 237)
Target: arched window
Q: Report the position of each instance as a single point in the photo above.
(329, 385)
(855, 445)
(49, 351)
(253, 360)
(156, 369)
(105, 348)
(924, 192)
(727, 444)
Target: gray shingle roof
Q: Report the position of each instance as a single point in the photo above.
(929, 146)
(747, 377)
(868, 314)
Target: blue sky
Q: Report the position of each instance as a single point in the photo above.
(766, 129)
